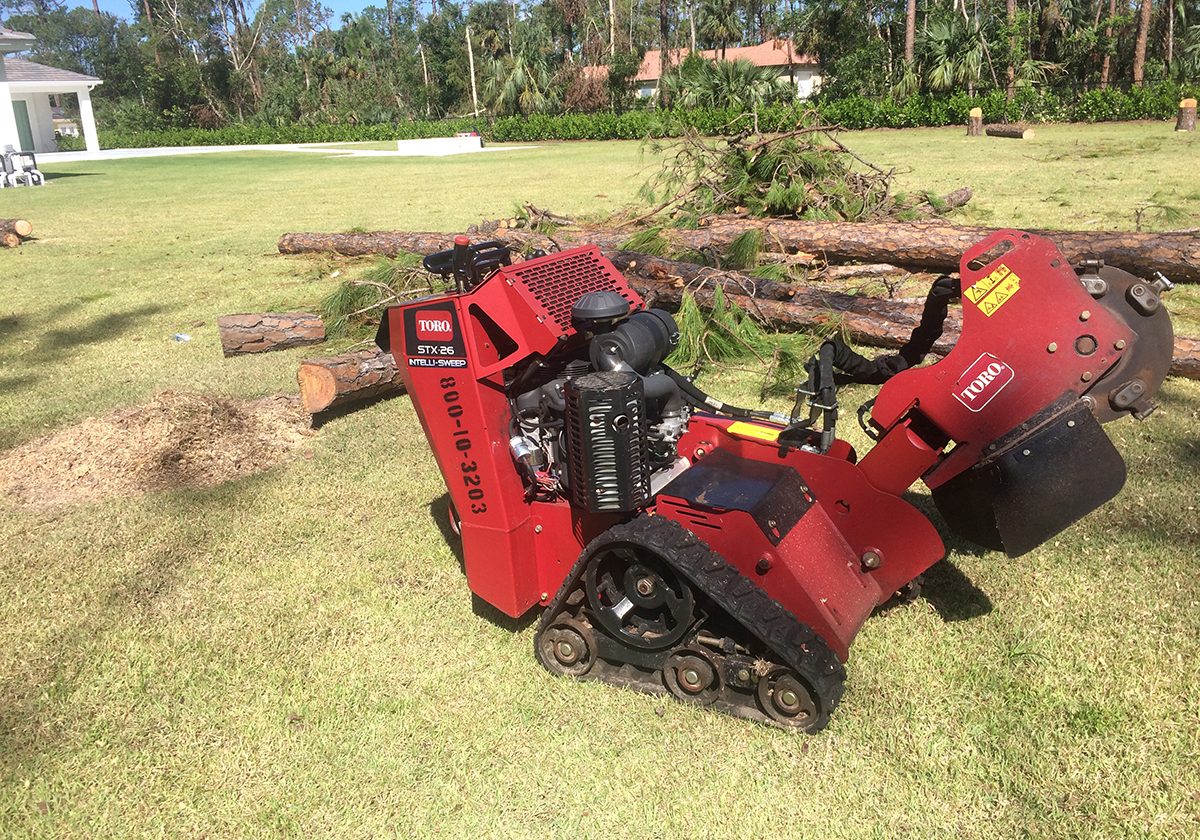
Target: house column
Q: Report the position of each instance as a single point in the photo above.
(8, 120)
(88, 121)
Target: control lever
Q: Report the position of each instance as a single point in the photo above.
(468, 264)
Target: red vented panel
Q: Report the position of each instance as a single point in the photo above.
(550, 285)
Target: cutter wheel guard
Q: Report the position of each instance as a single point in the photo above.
(728, 556)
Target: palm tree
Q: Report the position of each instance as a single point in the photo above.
(727, 84)
(719, 24)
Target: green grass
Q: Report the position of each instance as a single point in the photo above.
(297, 653)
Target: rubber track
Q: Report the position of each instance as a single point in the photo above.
(795, 643)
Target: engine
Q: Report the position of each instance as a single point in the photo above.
(600, 422)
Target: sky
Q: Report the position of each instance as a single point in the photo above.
(121, 7)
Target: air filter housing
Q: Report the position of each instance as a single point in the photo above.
(606, 442)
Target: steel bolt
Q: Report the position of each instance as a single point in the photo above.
(788, 697)
(1052, 347)
(537, 529)
(1084, 315)
(645, 586)
(691, 678)
(871, 559)
(565, 650)
(1086, 376)
(744, 675)
(1119, 344)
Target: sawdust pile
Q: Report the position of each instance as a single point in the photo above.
(177, 440)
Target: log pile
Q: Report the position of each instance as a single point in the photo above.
(837, 251)
(263, 332)
(14, 231)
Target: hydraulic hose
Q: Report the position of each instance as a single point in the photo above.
(702, 400)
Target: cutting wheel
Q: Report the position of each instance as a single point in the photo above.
(1118, 391)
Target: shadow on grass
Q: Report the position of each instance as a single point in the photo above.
(952, 594)
(107, 326)
(31, 696)
(54, 176)
(322, 417)
(440, 511)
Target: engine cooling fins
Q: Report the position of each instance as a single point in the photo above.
(650, 607)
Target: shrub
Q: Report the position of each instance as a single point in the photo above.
(1154, 102)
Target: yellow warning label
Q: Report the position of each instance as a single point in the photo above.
(991, 292)
(753, 430)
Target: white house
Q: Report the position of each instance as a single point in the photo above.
(26, 118)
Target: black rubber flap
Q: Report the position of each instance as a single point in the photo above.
(1036, 486)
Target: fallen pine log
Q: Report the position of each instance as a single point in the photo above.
(265, 331)
(872, 321)
(684, 273)
(20, 227)
(9, 240)
(920, 246)
(938, 246)
(336, 381)
(1013, 130)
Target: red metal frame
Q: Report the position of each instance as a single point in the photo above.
(859, 542)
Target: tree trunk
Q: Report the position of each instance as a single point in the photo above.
(265, 331)
(1010, 7)
(23, 228)
(1106, 64)
(910, 31)
(9, 240)
(1013, 130)
(975, 123)
(664, 10)
(1186, 121)
(1139, 45)
(612, 27)
(337, 381)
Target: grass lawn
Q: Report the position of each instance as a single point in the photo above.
(297, 652)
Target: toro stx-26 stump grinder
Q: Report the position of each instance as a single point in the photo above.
(729, 556)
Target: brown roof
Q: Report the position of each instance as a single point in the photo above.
(21, 70)
(778, 52)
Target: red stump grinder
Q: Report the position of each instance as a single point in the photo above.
(728, 556)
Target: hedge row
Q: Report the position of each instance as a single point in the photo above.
(1156, 102)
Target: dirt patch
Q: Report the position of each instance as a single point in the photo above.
(177, 440)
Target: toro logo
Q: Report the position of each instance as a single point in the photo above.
(434, 325)
(982, 381)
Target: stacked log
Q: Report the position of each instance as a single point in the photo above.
(14, 231)
(263, 332)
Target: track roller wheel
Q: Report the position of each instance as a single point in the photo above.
(567, 647)
(784, 698)
(691, 675)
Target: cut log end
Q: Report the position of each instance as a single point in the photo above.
(20, 227)
(9, 240)
(337, 381)
(1186, 121)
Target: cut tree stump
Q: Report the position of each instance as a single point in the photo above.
(9, 240)
(1186, 121)
(20, 227)
(975, 123)
(336, 381)
(1014, 130)
(262, 332)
